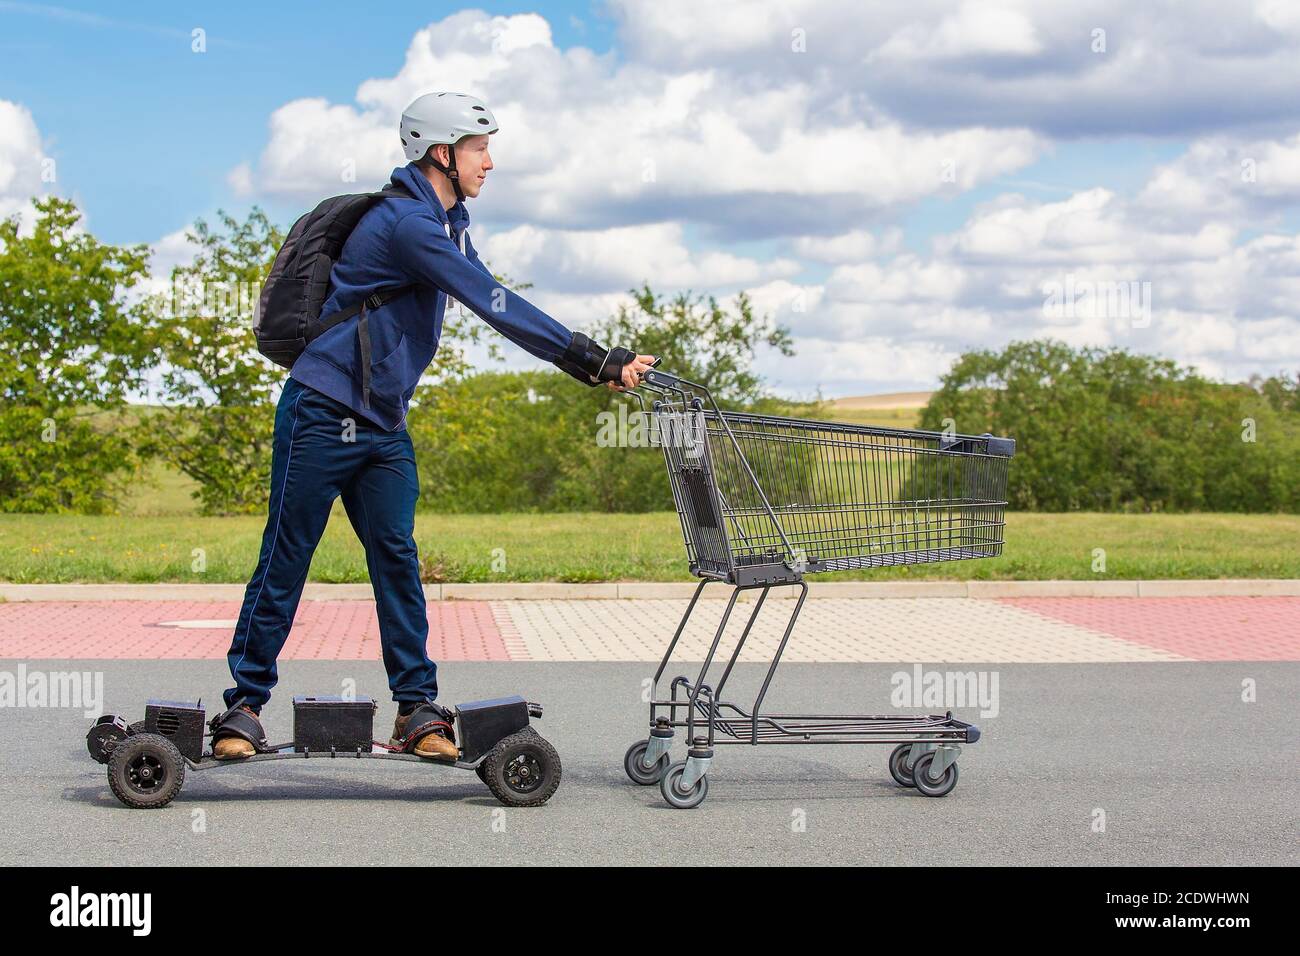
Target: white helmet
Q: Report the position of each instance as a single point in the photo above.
(443, 118)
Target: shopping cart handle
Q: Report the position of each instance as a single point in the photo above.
(661, 379)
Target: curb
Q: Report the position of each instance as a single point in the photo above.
(672, 590)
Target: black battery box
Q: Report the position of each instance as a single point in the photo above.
(179, 721)
(481, 724)
(324, 724)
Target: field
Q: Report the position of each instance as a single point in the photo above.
(161, 538)
(563, 547)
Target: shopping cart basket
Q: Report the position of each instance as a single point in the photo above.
(766, 500)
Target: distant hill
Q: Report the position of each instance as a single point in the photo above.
(883, 400)
(890, 409)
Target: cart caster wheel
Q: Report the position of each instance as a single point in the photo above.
(670, 787)
(523, 770)
(898, 766)
(146, 771)
(929, 786)
(637, 769)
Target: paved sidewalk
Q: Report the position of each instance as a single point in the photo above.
(658, 590)
(846, 630)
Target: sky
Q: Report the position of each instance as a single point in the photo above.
(895, 182)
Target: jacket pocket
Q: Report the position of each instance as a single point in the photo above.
(388, 375)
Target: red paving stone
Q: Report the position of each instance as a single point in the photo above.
(1208, 629)
(1200, 628)
(323, 630)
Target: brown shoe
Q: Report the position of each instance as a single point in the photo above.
(437, 746)
(437, 743)
(232, 747)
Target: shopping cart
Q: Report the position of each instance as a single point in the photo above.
(766, 500)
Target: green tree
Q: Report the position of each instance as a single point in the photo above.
(1106, 429)
(218, 425)
(699, 340)
(538, 441)
(71, 349)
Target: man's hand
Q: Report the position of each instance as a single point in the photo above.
(633, 371)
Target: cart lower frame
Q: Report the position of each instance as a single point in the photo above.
(710, 720)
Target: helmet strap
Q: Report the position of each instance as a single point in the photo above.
(450, 170)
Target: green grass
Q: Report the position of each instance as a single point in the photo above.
(164, 491)
(155, 538)
(599, 547)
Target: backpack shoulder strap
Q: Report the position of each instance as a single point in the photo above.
(372, 302)
(375, 299)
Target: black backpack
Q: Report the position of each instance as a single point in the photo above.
(287, 317)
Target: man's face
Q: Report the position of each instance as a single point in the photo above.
(472, 163)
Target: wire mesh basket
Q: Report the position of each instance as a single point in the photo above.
(767, 499)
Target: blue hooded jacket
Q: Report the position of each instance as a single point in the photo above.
(404, 241)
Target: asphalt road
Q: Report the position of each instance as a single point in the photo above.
(1184, 771)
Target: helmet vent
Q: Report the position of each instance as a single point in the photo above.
(480, 109)
(414, 135)
(484, 121)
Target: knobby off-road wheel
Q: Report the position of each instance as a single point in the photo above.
(146, 771)
(523, 770)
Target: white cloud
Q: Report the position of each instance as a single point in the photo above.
(841, 368)
(240, 180)
(589, 142)
(822, 124)
(856, 245)
(885, 318)
(1281, 15)
(315, 146)
(1189, 290)
(1232, 180)
(21, 158)
(1090, 227)
(975, 29)
(170, 252)
(1186, 67)
(602, 260)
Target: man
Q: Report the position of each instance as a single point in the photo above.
(340, 422)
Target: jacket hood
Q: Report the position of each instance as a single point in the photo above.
(414, 181)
